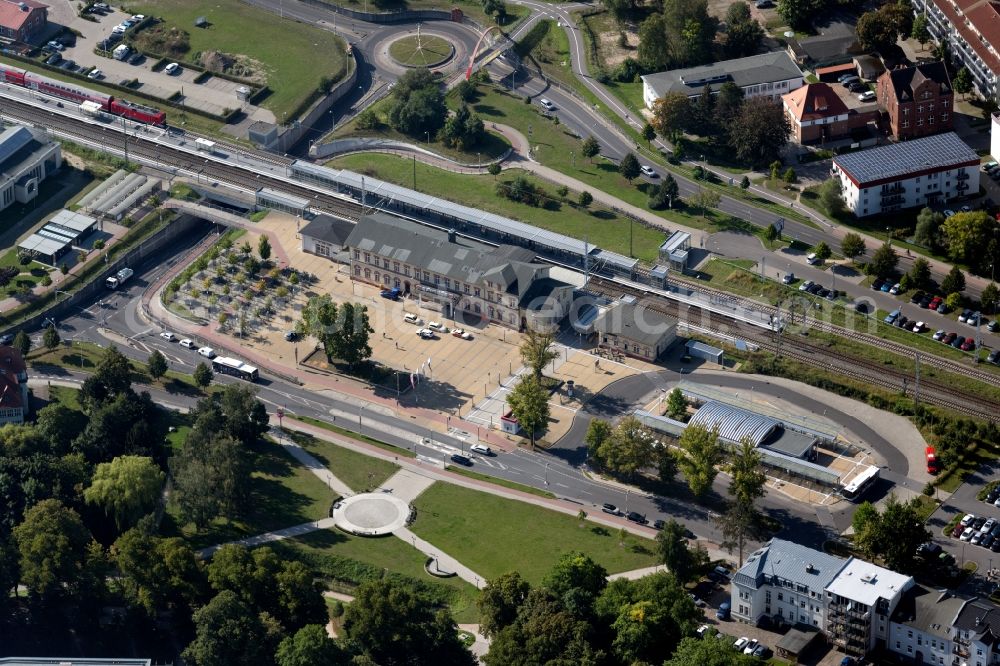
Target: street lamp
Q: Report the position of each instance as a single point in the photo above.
(360, 410)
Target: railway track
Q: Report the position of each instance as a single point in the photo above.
(930, 391)
(242, 178)
(926, 358)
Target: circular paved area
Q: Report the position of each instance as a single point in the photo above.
(371, 514)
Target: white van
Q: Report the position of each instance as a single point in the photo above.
(121, 52)
(435, 326)
(481, 449)
(207, 352)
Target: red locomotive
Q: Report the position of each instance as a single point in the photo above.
(109, 103)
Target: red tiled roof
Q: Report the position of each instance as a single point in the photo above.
(11, 367)
(833, 69)
(813, 101)
(13, 17)
(985, 16)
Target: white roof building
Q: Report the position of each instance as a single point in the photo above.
(866, 583)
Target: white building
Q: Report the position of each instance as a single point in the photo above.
(766, 75)
(923, 172)
(860, 600)
(943, 628)
(27, 157)
(972, 29)
(850, 600)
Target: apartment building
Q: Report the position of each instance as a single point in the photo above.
(918, 100)
(971, 28)
(14, 405)
(923, 172)
(944, 628)
(465, 279)
(849, 600)
(816, 114)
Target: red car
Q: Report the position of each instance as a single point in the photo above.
(969, 344)
(935, 302)
(933, 464)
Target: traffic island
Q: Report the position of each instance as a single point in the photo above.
(421, 51)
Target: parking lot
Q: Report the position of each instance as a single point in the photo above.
(965, 501)
(213, 96)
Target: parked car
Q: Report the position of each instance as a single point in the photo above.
(788, 278)
(391, 294)
(659, 524)
(886, 286)
(929, 549)
(741, 643)
(805, 285)
(964, 317)
(993, 326)
(978, 522)
(207, 352)
(751, 646)
(857, 88)
(636, 517)
(866, 96)
(947, 212)
(6, 339)
(853, 78)
(935, 302)
(461, 460)
(53, 59)
(462, 333)
(957, 532)
(436, 326)
(187, 343)
(168, 336)
(902, 321)
(412, 319)
(938, 335)
(546, 104)
(958, 342)
(291, 336)
(763, 4)
(56, 45)
(918, 327)
(891, 317)
(611, 508)
(762, 652)
(877, 284)
(917, 297)
(943, 308)
(172, 68)
(724, 611)
(967, 519)
(967, 533)
(845, 76)
(426, 333)
(968, 345)
(925, 301)
(894, 289)
(95, 74)
(993, 358)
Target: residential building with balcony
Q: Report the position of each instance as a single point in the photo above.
(860, 600)
(765, 75)
(784, 582)
(971, 28)
(923, 172)
(918, 100)
(466, 280)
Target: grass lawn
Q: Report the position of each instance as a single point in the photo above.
(386, 553)
(353, 435)
(66, 396)
(30, 275)
(493, 535)
(280, 47)
(428, 52)
(282, 493)
(549, 46)
(603, 228)
(358, 471)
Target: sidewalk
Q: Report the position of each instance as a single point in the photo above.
(443, 561)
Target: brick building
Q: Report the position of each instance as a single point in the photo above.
(918, 100)
(816, 114)
(13, 386)
(22, 20)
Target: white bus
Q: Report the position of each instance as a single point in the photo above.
(860, 484)
(231, 366)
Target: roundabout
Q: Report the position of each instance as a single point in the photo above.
(421, 51)
(371, 514)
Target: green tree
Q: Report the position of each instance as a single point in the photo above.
(158, 573)
(349, 339)
(920, 274)
(700, 453)
(537, 351)
(648, 133)
(628, 449)
(577, 580)
(966, 234)
(493, 169)
(310, 646)
(264, 248)
(202, 375)
(799, 14)
(529, 404)
(771, 233)
(211, 476)
(880, 29)
(920, 32)
(319, 318)
(546, 632)
(830, 197)
(728, 103)
(703, 113)
(417, 106)
(884, 261)
(466, 90)
(59, 424)
(586, 198)
(891, 535)
(665, 194)
(22, 343)
(389, 622)
(671, 113)
(654, 49)
(954, 281)
(990, 298)
(704, 199)
(629, 167)
(789, 176)
(743, 34)
(822, 251)
(746, 486)
(590, 148)
(954, 300)
(759, 133)
(673, 551)
(598, 432)
(227, 631)
(127, 488)
(499, 602)
(962, 82)
(677, 405)
(928, 229)
(156, 364)
(852, 246)
(701, 652)
(52, 543)
(51, 337)
(745, 183)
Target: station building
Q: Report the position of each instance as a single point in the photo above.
(27, 157)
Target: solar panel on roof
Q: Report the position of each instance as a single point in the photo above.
(900, 159)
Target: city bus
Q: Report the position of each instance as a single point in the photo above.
(234, 367)
(860, 484)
